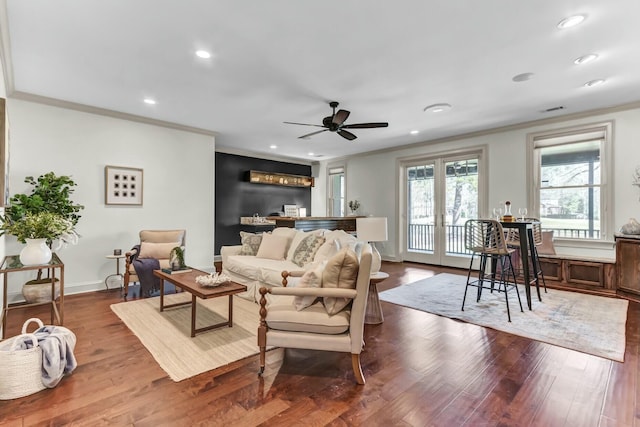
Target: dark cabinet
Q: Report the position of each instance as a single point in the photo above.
(628, 264)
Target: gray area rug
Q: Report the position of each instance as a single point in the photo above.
(167, 335)
(586, 323)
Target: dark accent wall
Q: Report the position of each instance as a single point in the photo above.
(236, 197)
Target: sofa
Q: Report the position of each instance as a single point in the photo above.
(261, 258)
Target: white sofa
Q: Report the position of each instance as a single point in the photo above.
(260, 260)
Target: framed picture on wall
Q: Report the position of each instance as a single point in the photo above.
(123, 186)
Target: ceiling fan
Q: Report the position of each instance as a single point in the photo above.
(335, 123)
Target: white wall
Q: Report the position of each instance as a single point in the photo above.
(373, 179)
(178, 184)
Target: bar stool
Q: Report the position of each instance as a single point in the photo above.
(485, 238)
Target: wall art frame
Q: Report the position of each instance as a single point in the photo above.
(123, 185)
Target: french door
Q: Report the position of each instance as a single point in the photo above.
(440, 194)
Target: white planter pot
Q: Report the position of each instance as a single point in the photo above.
(36, 252)
(39, 291)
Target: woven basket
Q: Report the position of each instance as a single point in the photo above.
(20, 370)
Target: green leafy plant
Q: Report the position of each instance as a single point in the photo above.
(177, 254)
(50, 194)
(39, 225)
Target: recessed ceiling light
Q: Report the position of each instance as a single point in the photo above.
(203, 54)
(273, 146)
(522, 77)
(437, 108)
(311, 153)
(595, 82)
(414, 132)
(571, 21)
(585, 58)
(150, 101)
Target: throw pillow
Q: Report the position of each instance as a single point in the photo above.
(156, 250)
(250, 243)
(307, 249)
(273, 247)
(341, 271)
(328, 249)
(311, 279)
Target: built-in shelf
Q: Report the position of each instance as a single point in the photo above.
(285, 179)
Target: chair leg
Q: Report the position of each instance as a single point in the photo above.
(357, 368)
(515, 284)
(468, 279)
(503, 280)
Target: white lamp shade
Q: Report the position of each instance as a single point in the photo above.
(372, 229)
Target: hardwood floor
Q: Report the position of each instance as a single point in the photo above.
(421, 370)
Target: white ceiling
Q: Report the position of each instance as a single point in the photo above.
(284, 60)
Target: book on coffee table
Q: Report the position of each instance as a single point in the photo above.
(182, 270)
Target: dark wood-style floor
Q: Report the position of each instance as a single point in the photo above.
(421, 370)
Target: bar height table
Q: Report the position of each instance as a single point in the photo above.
(525, 232)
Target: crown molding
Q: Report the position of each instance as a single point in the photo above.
(492, 131)
(24, 96)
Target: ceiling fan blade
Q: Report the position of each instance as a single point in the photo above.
(340, 117)
(303, 124)
(346, 134)
(366, 125)
(312, 133)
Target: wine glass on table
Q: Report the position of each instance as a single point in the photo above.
(497, 212)
(522, 212)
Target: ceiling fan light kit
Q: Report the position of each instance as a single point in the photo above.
(335, 123)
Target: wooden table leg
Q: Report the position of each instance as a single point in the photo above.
(193, 315)
(230, 311)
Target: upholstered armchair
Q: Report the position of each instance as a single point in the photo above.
(154, 244)
(327, 312)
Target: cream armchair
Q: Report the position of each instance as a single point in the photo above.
(155, 244)
(282, 325)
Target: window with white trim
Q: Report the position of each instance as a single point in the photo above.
(571, 176)
(336, 191)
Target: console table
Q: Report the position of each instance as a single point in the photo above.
(12, 264)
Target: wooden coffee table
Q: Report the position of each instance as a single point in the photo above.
(187, 282)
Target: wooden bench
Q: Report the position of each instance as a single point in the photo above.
(585, 273)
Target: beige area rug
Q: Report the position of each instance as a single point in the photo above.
(167, 335)
(586, 323)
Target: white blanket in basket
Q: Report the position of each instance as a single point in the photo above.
(57, 344)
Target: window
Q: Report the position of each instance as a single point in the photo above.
(336, 186)
(571, 194)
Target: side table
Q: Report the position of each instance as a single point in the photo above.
(117, 274)
(373, 314)
(10, 264)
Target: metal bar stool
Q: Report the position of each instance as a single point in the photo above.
(485, 238)
(513, 241)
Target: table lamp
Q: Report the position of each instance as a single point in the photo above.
(373, 229)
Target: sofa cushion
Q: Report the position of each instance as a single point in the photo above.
(306, 249)
(341, 271)
(314, 319)
(311, 279)
(259, 269)
(156, 250)
(273, 247)
(250, 243)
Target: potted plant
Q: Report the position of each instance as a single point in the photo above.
(47, 213)
(50, 194)
(354, 205)
(177, 259)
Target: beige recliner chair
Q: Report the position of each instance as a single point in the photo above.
(153, 244)
(335, 322)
